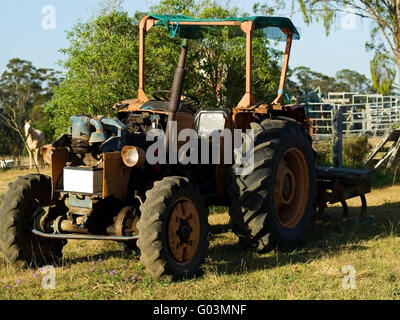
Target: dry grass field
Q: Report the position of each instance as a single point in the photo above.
(100, 270)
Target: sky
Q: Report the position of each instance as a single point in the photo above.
(28, 32)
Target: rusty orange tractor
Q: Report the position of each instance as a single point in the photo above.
(103, 186)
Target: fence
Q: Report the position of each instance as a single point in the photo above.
(362, 114)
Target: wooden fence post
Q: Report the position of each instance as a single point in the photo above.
(337, 138)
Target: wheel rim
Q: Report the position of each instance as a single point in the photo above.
(183, 233)
(291, 188)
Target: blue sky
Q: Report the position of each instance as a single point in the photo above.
(23, 36)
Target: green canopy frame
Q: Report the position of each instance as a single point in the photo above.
(187, 27)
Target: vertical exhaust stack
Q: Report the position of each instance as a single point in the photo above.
(176, 91)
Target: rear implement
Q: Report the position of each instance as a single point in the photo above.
(336, 185)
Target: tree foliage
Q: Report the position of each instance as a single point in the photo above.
(22, 85)
(102, 62)
(383, 74)
(305, 81)
(101, 68)
(383, 14)
(352, 81)
(24, 88)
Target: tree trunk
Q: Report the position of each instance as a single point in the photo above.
(396, 36)
(398, 68)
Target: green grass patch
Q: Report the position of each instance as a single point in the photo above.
(101, 270)
(355, 150)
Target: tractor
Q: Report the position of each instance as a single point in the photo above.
(103, 186)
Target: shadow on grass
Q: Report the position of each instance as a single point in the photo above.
(104, 255)
(75, 259)
(328, 237)
(218, 229)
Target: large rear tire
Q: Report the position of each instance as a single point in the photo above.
(173, 229)
(17, 242)
(272, 206)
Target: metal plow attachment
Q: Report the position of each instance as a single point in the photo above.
(336, 185)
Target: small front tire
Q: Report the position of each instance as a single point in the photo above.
(173, 229)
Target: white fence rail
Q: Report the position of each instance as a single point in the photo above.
(362, 114)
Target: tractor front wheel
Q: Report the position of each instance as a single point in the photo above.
(173, 229)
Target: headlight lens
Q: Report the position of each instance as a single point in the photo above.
(133, 156)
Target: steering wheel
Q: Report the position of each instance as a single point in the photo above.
(165, 95)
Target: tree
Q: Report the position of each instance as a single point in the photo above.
(383, 74)
(308, 80)
(22, 86)
(102, 62)
(101, 68)
(304, 81)
(352, 81)
(384, 15)
(40, 120)
(107, 6)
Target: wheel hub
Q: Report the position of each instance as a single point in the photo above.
(183, 233)
(287, 182)
(291, 188)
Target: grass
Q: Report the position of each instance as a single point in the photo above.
(100, 270)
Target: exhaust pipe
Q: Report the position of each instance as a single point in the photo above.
(176, 91)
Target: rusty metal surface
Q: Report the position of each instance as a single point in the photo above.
(66, 226)
(115, 176)
(119, 225)
(58, 160)
(133, 105)
(248, 99)
(339, 184)
(285, 68)
(291, 188)
(183, 231)
(124, 223)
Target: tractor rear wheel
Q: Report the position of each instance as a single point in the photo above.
(173, 229)
(272, 206)
(17, 242)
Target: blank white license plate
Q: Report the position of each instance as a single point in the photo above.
(83, 180)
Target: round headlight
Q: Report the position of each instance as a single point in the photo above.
(133, 156)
